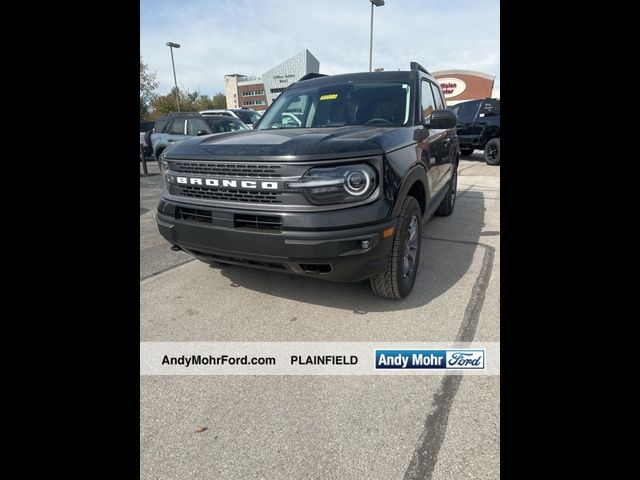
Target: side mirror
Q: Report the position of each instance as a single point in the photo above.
(202, 132)
(443, 119)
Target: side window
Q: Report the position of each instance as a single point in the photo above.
(195, 124)
(177, 127)
(455, 109)
(428, 103)
(490, 107)
(437, 97)
(468, 111)
(161, 126)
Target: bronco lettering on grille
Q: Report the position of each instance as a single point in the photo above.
(225, 183)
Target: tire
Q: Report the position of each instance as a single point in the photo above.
(397, 280)
(465, 152)
(147, 138)
(492, 152)
(449, 201)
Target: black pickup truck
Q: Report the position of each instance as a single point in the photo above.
(479, 128)
(341, 193)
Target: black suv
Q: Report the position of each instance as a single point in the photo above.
(340, 194)
(479, 127)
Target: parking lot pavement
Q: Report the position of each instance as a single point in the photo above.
(326, 427)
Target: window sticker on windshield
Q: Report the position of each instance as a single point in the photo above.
(331, 96)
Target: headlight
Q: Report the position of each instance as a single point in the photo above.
(345, 184)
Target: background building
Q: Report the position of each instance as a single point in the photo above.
(251, 94)
(281, 76)
(242, 91)
(258, 93)
(461, 85)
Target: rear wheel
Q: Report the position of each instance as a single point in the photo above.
(492, 152)
(449, 201)
(397, 280)
(465, 152)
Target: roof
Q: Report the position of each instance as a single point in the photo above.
(389, 76)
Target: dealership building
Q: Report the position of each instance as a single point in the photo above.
(461, 85)
(258, 93)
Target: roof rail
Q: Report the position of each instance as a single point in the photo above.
(309, 76)
(170, 114)
(417, 66)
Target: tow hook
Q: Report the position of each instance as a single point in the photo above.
(175, 248)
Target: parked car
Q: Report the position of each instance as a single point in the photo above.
(176, 127)
(343, 195)
(479, 127)
(248, 116)
(146, 128)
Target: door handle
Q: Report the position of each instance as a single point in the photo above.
(170, 140)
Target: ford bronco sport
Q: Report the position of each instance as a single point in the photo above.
(340, 195)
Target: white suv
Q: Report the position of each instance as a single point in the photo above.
(247, 115)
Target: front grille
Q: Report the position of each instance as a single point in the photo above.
(194, 215)
(257, 222)
(227, 169)
(230, 195)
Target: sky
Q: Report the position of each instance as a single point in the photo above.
(218, 37)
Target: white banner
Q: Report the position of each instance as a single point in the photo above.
(319, 358)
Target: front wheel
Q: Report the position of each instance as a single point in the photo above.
(397, 280)
(492, 152)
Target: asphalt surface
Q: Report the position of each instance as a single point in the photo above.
(428, 427)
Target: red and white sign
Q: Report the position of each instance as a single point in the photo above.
(452, 87)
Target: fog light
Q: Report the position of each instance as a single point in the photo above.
(365, 244)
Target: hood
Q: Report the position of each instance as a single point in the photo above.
(348, 141)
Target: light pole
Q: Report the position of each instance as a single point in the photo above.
(377, 3)
(171, 46)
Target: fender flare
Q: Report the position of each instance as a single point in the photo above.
(416, 173)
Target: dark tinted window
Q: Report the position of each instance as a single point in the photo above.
(467, 110)
(161, 125)
(222, 125)
(490, 107)
(247, 116)
(196, 124)
(144, 126)
(177, 127)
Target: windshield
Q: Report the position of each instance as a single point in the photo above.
(225, 124)
(375, 104)
(247, 117)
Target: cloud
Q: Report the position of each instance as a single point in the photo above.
(252, 36)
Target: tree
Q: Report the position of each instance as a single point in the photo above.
(189, 102)
(148, 85)
(219, 101)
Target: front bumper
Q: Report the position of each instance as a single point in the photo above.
(331, 254)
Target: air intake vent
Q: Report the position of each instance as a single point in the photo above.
(194, 215)
(257, 222)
